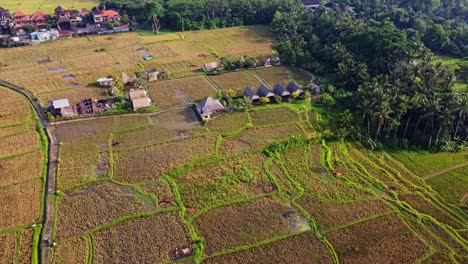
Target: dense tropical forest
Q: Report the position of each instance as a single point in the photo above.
(380, 70)
(374, 61)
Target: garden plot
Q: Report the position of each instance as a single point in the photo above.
(235, 179)
(180, 91)
(71, 251)
(89, 206)
(20, 204)
(150, 163)
(275, 116)
(274, 75)
(21, 169)
(332, 214)
(303, 248)
(243, 224)
(257, 139)
(383, 240)
(146, 240)
(236, 81)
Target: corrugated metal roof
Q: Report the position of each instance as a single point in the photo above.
(61, 103)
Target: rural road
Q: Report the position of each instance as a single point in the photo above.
(52, 151)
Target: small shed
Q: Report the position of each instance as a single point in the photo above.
(281, 91)
(127, 80)
(265, 62)
(152, 75)
(212, 66)
(105, 82)
(138, 93)
(249, 93)
(314, 89)
(142, 102)
(63, 108)
(263, 91)
(294, 88)
(208, 107)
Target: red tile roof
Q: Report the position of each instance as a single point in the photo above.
(19, 13)
(38, 15)
(110, 13)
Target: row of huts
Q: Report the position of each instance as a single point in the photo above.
(209, 107)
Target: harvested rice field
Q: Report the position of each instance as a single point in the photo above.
(236, 81)
(41, 69)
(180, 91)
(257, 184)
(145, 240)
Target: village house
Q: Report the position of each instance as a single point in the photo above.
(38, 19)
(294, 88)
(212, 66)
(67, 19)
(249, 93)
(263, 91)
(105, 82)
(63, 108)
(139, 99)
(152, 75)
(5, 21)
(44, 35)
(311, 4)
(103, 16)
(208, 108)
(280, 91)
(5, 16)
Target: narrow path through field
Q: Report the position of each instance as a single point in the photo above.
(445, 170)
(52, 153)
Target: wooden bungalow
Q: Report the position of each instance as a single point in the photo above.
(294, 88)
(212, 66)
(263, 91)
(249, 93)
(208, 108)
(279, 90)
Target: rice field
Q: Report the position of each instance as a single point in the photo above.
(135, 188)
(274, 75)
(386, 238)
(236, 81)
(136, 239)
(20, 204)
(180, 91)
(87, 59)
(87, 207)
